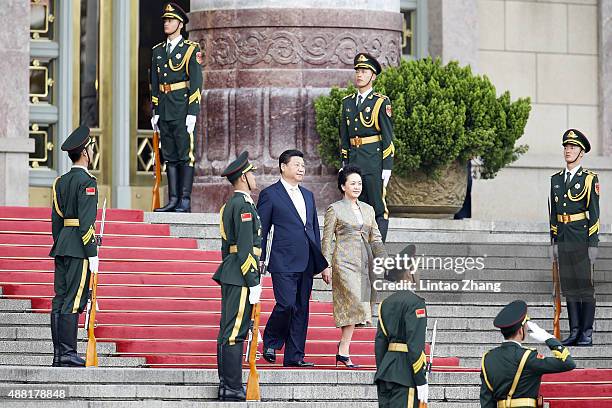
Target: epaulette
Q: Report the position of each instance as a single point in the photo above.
(189, 42)
(90, 175)
(348, 96)
(380, 95)
(161, 43)
(248, 199)
(589, 172)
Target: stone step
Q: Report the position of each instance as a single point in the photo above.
(30, 360)
(214, 404)
(14, 305)
(46, 347)
(470, 351)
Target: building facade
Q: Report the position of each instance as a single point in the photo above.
(265, 62)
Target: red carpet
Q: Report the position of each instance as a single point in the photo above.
(158, 301)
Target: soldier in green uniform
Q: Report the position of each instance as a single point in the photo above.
(73, 216)
(574, 229)
(176, 79)
(400, 347)
(510, 374)
(366, 137)
(238, 275)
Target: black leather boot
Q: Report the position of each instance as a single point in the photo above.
(573, 313)
(232, 373)
(187, 184)
(173, 188)
(68, 341)
(55, 317)
(587, 320)
(220, 371)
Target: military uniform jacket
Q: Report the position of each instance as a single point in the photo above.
(180, 66)
(240, 229)
(581, 197)
(75, 197)
(373, 118)
(402, 321)
(499, 367)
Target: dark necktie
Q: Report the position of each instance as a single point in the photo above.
(567, 179)
(168, 48)
(358, 102)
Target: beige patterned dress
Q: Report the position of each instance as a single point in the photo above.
(349, 247)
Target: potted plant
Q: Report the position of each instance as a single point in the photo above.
(443, 116)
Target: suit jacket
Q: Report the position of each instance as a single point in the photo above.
(292, 239)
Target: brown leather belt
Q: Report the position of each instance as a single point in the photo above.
(358, 141)
(167, 88)
(567, 218)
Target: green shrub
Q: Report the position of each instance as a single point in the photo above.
(441, 113)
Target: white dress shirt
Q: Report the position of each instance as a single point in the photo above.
(173, 43)
(572, 172)
(363, 95)
(297, 198)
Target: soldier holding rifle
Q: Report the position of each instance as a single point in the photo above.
(574, 229)
(73, 216)
(238, 275)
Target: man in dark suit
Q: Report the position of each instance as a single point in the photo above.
(295, 257)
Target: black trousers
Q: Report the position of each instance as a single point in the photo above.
(71, 285)
(575, 272)
(392, 395)
(177, 145)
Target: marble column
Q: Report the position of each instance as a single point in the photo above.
(265, 63)
(453, 31)
(605, 75)
(15, 143)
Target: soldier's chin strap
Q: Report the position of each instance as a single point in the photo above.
(88, 159)
(371, 77)
(178, 28)
(248, 184)
(577, 156)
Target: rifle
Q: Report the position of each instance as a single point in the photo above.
(91, 357)
(556, 292)
(429, 365)
(156, 204)
(252, 389)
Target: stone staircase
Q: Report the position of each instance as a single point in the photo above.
(515, 256)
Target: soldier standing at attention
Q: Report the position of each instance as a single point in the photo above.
(73, 216)
(510, 374)
(176, 79)
(574, 228)
(400, 347)
(366, 137)
(238, 275)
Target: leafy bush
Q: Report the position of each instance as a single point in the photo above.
(441, 113)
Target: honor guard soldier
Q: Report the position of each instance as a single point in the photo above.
(400, 347)
(574, 228)
(238, 275)
(73, 216)
(510, 374)
(176, 79)
(366, 137)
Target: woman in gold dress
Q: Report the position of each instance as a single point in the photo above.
(351, 240)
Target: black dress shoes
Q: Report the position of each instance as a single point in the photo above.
(301, 364)
(269, 355)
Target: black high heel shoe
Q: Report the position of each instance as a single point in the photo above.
(346, 360)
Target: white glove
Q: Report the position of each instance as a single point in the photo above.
(386, 175)
(254, 294)
(190, 121)
(593, 254)
(537, 333)
(154, 120)
(553, 252)
(94, 262)
(423, 393)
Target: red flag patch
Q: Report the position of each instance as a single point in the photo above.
(388, 110)
(420, 313)
(246, 217)
(90, 191)
(597, 188)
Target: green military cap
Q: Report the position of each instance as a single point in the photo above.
(396, 274)
(173, 10)
(78, 140)
(363, 60)
(512, 317)
(576, 137)
(238, 167)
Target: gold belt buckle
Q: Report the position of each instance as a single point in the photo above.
(357, 141)
(167, 88)
(566, 218)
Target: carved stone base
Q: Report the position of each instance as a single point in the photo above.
(420, 196)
